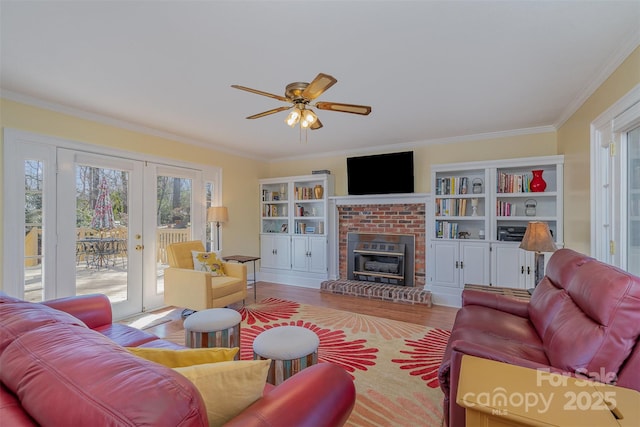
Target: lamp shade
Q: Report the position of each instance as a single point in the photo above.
(537, 238)
(217, 214)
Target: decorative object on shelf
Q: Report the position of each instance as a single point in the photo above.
(303, 228)
(537, 238)
(537, 184)
(217, 214)
(464, 235)
(477, 186)
(318, 191)
(474, 206)
(283, 228)
(481, 234)
(321, 172)
(530, 207)
(463, 185)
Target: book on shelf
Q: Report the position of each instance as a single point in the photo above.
(514, 183)
(446, 230)
(505, 208)
(451, 207)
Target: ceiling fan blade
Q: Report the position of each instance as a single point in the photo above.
(321, 83)
(266, 113)
(316, 125)
(259, 92)
(344, 108)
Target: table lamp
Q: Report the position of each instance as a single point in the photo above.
(537, 238)
(217, 214)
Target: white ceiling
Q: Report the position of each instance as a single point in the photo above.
(431, 70)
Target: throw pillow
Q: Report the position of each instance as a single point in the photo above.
(207, 261)
(187, 357)
(227, 388)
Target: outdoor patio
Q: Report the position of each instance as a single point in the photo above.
(110, 280)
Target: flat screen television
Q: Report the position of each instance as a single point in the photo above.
(380, 173)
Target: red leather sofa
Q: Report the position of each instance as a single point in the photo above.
(62, 363)
(583, 320)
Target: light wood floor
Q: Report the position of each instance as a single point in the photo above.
(436, 316)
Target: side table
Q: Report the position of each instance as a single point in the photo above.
(242, 259)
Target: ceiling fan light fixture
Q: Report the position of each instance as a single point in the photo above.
(308, 118)
(293, 118)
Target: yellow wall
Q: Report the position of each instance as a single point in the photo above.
(574, 142)
(239, 175)
(541, 144)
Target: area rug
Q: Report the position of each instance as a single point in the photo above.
(393, 364)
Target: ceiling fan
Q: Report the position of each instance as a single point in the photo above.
(300, 95)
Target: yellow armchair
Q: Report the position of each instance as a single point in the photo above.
(198, 290)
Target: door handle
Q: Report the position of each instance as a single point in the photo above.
(522, 269)
(139, 247)
(528, 270)
(457, 264)
(461, 264)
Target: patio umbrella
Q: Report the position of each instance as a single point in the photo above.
(103, 210)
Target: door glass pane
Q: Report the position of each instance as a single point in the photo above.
(174, 200)
(633, 215)
(102, 212)
(209, 230)
(33, 220)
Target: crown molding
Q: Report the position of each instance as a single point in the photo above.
(417, 144)
(122, 124)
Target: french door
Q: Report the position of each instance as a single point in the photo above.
(95, 221)
(100, 223)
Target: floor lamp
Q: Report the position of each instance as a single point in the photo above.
(537, 238)
(217, 214)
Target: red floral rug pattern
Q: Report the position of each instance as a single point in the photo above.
(394, 364)
(426, 356)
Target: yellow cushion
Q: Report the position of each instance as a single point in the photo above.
(227, 388)
(187, 357)
(207, 261)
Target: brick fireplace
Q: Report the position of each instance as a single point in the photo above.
(383, 216)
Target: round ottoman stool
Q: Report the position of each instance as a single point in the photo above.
(215, 327)
(290, 348)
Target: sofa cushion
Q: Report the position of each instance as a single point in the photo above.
(545, 304)
(125, 335)
(66, 375)
(227, 388)
(19, 317)
(596, 328)
(223, 286)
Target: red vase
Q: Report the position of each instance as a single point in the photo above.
(537, 184)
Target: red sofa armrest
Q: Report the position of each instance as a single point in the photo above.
(94, 310)
(504, 303)
(322, 395)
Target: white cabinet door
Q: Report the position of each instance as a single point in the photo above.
(318, 254)
(474, 263)
(512, 267)
(309, 254)
(274, 251)
(445, 263)
(299, 253)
